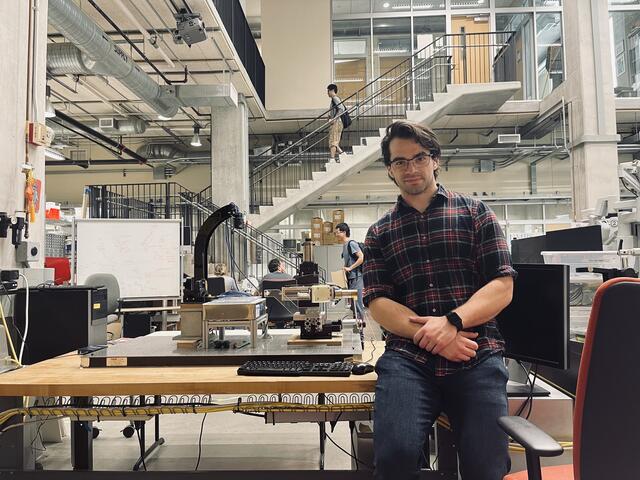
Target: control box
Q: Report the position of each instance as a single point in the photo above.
(28, 252)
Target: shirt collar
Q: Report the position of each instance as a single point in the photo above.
(403, 207)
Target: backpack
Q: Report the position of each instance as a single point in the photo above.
(346, 119)
(353, 255)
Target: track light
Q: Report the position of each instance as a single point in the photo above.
(53, 155)
(195, 140)
(49, 111)
(162, 117)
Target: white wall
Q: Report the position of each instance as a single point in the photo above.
(296, 48)
(65, 184)
(14, 40)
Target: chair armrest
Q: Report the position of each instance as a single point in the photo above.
(533, 439)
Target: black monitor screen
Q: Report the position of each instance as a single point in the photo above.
(575, 239)
(528, 250)
(535, 325)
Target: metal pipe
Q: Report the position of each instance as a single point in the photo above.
(100, 136)
(82, 31)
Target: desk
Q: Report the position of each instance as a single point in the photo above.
(63, 376)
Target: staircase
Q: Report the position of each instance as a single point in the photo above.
(172, 200)
(419, 89)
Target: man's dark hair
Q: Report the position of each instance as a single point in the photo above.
(274, 264)
(332, 86)
(343, 227)
(420, 134)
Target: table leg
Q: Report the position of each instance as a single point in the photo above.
(15, 444)
(323, 432)
(82, 439)
(446, 453)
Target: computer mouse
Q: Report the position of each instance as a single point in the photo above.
(361, 368)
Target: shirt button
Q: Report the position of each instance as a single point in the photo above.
(433, 310)
(431, 285)
(428, 261)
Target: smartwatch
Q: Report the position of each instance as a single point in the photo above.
(455, 320)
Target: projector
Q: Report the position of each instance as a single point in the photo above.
(190, 28)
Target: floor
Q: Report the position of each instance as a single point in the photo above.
(229, 441)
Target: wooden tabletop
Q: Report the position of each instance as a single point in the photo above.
(63, 376)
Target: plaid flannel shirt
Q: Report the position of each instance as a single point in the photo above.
(433, 262)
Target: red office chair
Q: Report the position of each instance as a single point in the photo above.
(606, 422)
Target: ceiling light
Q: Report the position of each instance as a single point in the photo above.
(385, 4)
(195, 140)
(52, 154)
(49, 111)
(163, 118)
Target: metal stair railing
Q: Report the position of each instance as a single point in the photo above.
(452, 58)
(172, 200)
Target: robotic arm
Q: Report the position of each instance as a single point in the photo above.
(195, 289)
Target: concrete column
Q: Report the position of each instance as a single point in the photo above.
(230, 155)
(19, 103)
(589, 78)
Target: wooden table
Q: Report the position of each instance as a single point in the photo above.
(63, 376)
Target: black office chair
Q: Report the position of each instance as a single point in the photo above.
(215, 286)
(280, 312)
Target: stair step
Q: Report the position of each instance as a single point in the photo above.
(278, 200)
(414, 115)
(305, 183)
(383, 131)
(358, 148)
(318, 175)
(371, 141)
(265, 209)
(437, 96)
(291, 192)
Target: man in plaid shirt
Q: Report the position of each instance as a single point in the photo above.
(437, 271)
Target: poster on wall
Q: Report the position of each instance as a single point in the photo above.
(620, 69)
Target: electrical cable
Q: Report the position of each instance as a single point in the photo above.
(200, 442)
(233, 260)
(8, 334)
(352, 456)
(26, 318)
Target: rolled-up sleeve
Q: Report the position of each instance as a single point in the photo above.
(377, 279)
(493, 258)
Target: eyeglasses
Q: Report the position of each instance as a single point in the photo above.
(420, 160)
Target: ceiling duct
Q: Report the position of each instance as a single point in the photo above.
(110, 59)
(109, 125)
(66, 58)
(166, 151)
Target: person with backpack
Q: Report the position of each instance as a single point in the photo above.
(353, 257)
(336, 111)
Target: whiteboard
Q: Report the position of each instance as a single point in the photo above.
(144, 255)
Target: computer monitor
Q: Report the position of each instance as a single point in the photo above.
(528, 250)
(575, 239)
(535, 326)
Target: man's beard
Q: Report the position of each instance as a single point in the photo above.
(415, 189)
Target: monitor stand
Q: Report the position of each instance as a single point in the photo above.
(515, 389)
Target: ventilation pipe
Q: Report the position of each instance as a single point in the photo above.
(165, 151)
(108, 58)
(133, 126)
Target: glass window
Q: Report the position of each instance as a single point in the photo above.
(548, 3)
(499, 211)
(513, 3)
(624, 2)
(525, 212)
(351, 55)
(549, 62)
(426, 30)
(426, 5)
(515, 60)
(391, 6)
(470, 3)
(552, 211)
(391, 43)
(625, 52)
(348, 7)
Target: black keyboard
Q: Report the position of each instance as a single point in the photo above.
(295, 368)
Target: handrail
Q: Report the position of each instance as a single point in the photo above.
(398, 89)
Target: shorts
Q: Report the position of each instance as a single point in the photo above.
(335, 132)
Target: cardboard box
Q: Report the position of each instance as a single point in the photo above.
(339, 278)
(328, 238)
(316, 236)
(327, 227)
(316, 223)
(337, 216)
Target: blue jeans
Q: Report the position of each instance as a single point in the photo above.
(408, 401)
(357, 283)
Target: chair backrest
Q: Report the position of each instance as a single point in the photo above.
(606, 418)
(279, 311)
(110, 282)
(215, 286)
